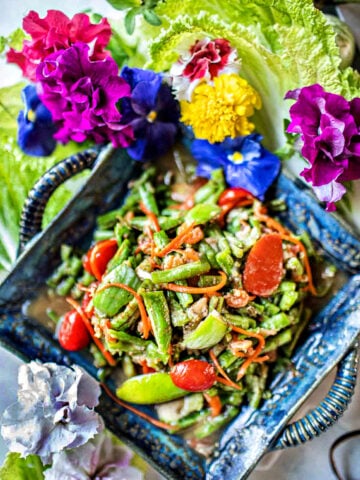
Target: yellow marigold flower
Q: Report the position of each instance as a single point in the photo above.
(222, 109)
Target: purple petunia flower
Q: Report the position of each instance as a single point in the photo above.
(329, 128)
(82, 96)
(35, 125)
(246, 163)
(151, 111)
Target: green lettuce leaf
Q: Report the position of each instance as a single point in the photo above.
(19, 173)
(15, 467)
(282, 45)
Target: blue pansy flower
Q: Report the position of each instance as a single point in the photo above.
(35, 125)
(152, 112)
(246, 163)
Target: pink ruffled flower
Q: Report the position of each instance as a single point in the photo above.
(205, 60)
(329, 128)
(56, 32)
(82, 96)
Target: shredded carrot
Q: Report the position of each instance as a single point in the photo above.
(107, 355)
(141, 414)
(176, 243)
(188, 289)
(151, 216)
(294, 240)
(257, 351)
(146, 368)
(228, 380)
(144, 316)
(214, 404)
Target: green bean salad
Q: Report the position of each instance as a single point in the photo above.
(194, 292)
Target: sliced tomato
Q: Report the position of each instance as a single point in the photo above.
(263, 270)
(96, 259)
(193, 375)
(233, 195)
(73, 334)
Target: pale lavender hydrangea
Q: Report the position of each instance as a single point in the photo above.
(99, 459)
(329, 128)
(55, 410)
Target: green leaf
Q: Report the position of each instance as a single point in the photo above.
(19, 173)
(15, 467)
(124, 4)
(15, 40)
(130, 20)
(151, 17)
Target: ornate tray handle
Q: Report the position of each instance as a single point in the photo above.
(330, 409)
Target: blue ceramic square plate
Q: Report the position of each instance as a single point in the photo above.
(331, 334)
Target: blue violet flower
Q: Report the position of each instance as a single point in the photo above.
(36, 128)
(246, 163)
(152, 112)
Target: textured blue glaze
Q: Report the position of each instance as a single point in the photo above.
(335, 327)
(305, 214)
(331, 333)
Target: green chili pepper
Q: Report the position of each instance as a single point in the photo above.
(209, 332)
(159, 315)
(150, 388)
(181, 272)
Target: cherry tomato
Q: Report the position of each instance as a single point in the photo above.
(264, 266)
(96, 259)
(73, 334)
(233, 195)
(193, 375)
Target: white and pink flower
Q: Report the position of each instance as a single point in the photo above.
(204, 60)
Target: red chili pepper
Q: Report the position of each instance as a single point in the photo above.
(96, 259)
(193, 375)
(233, 195)
(73, 334)
(264, 266)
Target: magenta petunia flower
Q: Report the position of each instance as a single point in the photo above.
(56, 32)
(82, 96)
(329, 128)
(205, 60)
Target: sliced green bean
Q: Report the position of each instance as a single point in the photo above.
(181, 272)
(159, 315)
